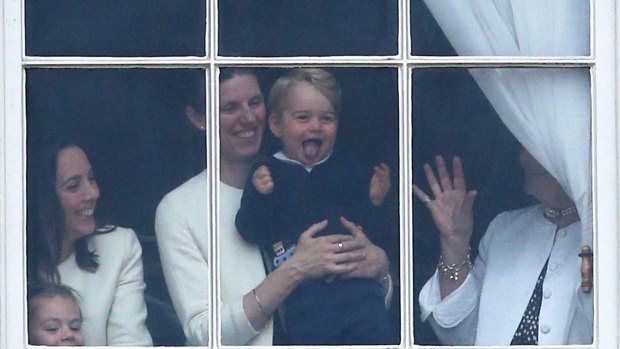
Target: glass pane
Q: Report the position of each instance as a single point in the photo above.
(132, 128)
(115, 28)
(500, 28)
(308, 28)
(549, 111)
(305, 115)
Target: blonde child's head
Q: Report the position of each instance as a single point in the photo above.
(304, 106)
(54, 316)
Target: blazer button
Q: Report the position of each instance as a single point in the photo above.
(547, 293)
(545, 329)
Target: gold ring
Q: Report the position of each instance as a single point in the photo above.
(426, 199)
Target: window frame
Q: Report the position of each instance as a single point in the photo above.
(602, 62)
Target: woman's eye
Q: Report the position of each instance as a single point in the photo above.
(256, 101)
(228, 108)
(72, 187)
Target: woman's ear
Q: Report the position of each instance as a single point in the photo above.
(197, 119)
(274, 125)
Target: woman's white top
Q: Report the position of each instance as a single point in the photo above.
(181, 227)
(487, 308)
(112, 298)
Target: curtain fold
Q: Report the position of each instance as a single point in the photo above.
(548, 110)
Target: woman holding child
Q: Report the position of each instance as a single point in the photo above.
(249, 295)
(66, 245)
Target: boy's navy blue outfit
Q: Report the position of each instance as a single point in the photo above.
(346, 311)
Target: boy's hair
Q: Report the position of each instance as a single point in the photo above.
(320, 79)
(49, 290)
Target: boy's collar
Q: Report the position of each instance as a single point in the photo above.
(282, 157)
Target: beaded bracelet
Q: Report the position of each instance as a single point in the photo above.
(451, 271)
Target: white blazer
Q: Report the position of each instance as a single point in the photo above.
(487, 308)
(112, 298)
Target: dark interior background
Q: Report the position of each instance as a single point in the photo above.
(271, 28)
(132, 123)
(115, 28)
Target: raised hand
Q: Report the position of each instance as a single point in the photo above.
(379, 184)
(262, 180)
(451, 205)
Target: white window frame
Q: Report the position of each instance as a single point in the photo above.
(603, 62)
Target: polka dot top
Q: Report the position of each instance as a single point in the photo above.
(527, 332)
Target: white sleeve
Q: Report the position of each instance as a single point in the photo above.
(126, 322)
(186, 271)
(454, 319)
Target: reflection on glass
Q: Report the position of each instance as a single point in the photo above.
(500, 28)
(115, 28)
(308, 28)
(516, 206)
(308, 179)
(104, 147)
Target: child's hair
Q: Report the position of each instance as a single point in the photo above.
(320, 79)
(40, 290)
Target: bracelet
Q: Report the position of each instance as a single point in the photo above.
(259, 303)
(451, 271)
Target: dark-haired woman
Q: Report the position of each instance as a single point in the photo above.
(103, 264)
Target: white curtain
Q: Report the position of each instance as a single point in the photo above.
(548, 110)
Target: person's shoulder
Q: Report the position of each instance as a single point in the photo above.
(113, 234)
(193, 189)
(114, 240)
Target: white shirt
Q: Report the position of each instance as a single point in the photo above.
(181, 227)
(112, 298)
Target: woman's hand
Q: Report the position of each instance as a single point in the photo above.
(451, 207)
(316, 257)
(375, 263)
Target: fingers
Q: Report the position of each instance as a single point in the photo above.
(356, 230)
(336, 238)
(469, 200)
(262, 180)
(432, 180)
(459, 177)
(444, 176)
(314, 228)
(382, 170)
(379, 184)
(421, 195)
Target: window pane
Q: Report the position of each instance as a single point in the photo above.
(500, 28)
(115, 28)
(308, 28)
(367, 135)
(133, 128)
(555, 108)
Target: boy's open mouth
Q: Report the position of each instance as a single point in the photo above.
(312, 147)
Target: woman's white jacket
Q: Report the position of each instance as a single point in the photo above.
(487, 308)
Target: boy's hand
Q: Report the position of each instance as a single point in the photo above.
(262, 180)
(379, 184)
